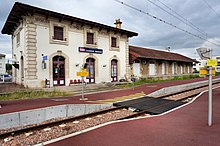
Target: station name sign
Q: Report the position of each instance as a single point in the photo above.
(90, 50)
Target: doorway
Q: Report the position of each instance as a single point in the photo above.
(22, 70)
(58, 71)
(114, 70)
(152, 68)
(91, 69)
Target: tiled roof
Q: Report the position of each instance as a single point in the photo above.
(156, 54)
(19, 10)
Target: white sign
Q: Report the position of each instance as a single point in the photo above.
(217, 68)
(204, 53)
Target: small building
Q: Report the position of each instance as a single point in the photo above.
(145, 62)
(50, 46)
(2, 64)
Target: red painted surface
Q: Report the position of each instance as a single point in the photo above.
(184, 127)
(20, 105)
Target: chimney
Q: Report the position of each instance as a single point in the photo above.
(118, 23)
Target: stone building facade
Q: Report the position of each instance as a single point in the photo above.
(50, 46)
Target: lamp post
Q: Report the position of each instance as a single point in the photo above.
(210, 92)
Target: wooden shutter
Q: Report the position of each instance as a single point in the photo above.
(58, 33)
(90, 38)
(114, 40)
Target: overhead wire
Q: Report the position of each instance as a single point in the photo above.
(213, 11)
(190, 23)
(168, 23)
(211, 8)
(183, 21)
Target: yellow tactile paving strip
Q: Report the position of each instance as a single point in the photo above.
(121, 98)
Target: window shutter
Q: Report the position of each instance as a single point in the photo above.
(90, 38)
(114, 40)
(58, 33)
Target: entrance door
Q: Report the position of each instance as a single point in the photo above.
(136, 68)
(91, 69)
(22, 70)
(114, 70)
(58, 71)
(151, 68)
(163, 68)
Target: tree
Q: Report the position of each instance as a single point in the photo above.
(8, 68)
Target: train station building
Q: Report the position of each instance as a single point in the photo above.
(52, 46)
(147, 63)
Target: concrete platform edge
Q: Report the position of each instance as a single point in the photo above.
(112, 122)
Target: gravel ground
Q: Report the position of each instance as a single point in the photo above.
(182, 95)
(34, 137)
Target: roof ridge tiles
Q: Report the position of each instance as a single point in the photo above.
(143, 52)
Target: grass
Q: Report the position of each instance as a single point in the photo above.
(31, 94)
(18, 95)
(156, 80)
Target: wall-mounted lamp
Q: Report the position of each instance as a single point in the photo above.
(104, 65)
(77, 64)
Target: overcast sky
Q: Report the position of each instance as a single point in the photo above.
(203, 14)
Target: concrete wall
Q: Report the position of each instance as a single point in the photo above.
(179, 88)
(40, 115)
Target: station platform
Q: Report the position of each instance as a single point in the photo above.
(93, 98)
(183, 126)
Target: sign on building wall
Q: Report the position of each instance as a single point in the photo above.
(90, 50)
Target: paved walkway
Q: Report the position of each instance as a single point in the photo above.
(28, 104)
(185, 126)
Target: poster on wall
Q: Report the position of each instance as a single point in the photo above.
(55, 82)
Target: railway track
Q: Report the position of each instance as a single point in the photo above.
(89, 120)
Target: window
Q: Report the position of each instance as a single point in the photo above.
(114, 42)
(58, 33)
(0, 58)
(1, 66)
(18, 38)
(90, 38)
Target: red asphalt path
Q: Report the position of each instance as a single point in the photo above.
(28, 104)
(186, 126)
